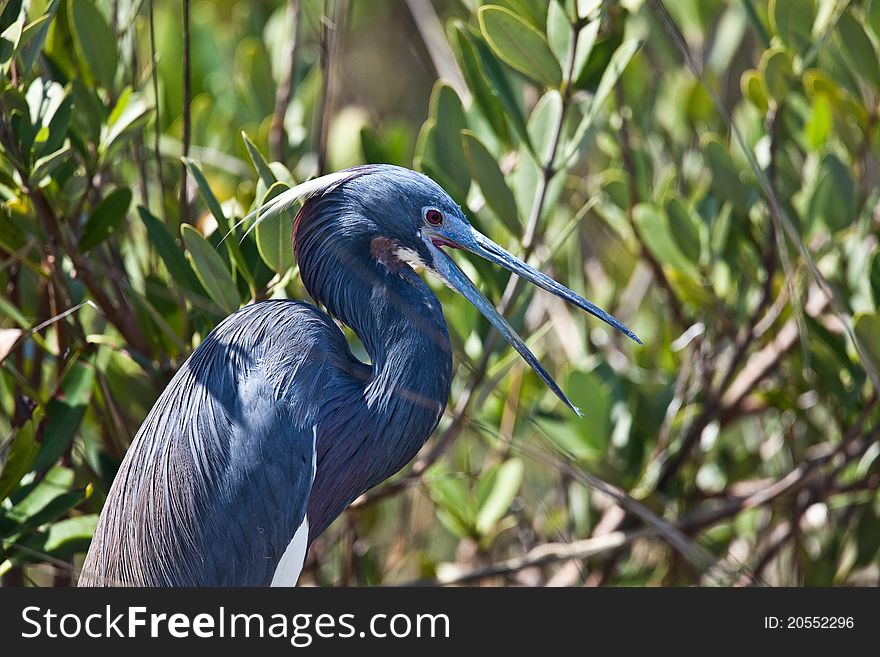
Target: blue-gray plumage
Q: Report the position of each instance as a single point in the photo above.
(272, 427)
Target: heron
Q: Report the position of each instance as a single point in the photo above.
(272, 427)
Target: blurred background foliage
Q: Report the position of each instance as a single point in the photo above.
(707, 170)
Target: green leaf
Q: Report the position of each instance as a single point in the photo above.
(486, 97)
(70, 536)
(106, 217)
(439, 147)
(559, 32)
(777, 72)
(273, 235)
(585, 43)
(858, 49)
(834, 200)
(451, 493)
(56, 125)
(793, 21)
(57, 506)
(589, 393)
(872, 17)
(38, 494)
(684, 229)
(9, 40)
(519, 44)
(46, 165)
(501, 86)
(616, 66)
(660, 241)
(94, 41)
(752, 86)
(33, 38)
(65, 411)
(20, 457)
(259, 162)
(508, 480)
(208, 195)
(820, 122)
(533, 11)
(32, 29)
(543, 122)
(90, 113)
(177, 265)
(867, 537)
(129, 114)
(210, 269)
(726, 181)
(232, 246)
(875, 277)
(485, 171)
(867, 330)
(23, 130)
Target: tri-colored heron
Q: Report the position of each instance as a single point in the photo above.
(272, 427)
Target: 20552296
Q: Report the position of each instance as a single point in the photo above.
(809, 622)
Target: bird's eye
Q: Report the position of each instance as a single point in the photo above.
(433, 216)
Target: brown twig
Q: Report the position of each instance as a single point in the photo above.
(187, 117)
(157, 127)
(644, 252)
(331, 41)
(284, 93)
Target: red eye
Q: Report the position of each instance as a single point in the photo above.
(434, 217)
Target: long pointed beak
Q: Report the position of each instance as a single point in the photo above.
(482, 246)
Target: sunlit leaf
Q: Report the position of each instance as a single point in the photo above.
(94, 41)
(485, 95)
(259, 162)
(273, 235)
(519, 44)
(223, 224)
(210, 269)
(507, 482)
(777, 73)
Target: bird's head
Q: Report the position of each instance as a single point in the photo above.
(409, 219)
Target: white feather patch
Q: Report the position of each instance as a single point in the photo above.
(290, 566)
(288, 569)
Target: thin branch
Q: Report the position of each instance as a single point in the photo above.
(541, 555)
(331, 41)
(187, 117)
(157, 127)
(644, 252)
(284, 94)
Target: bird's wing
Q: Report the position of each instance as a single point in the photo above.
(217, 481)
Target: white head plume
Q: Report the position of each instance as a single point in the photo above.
(288, 198)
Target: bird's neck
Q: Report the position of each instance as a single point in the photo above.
(378, 420)
(360, 280)
(400, 323)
